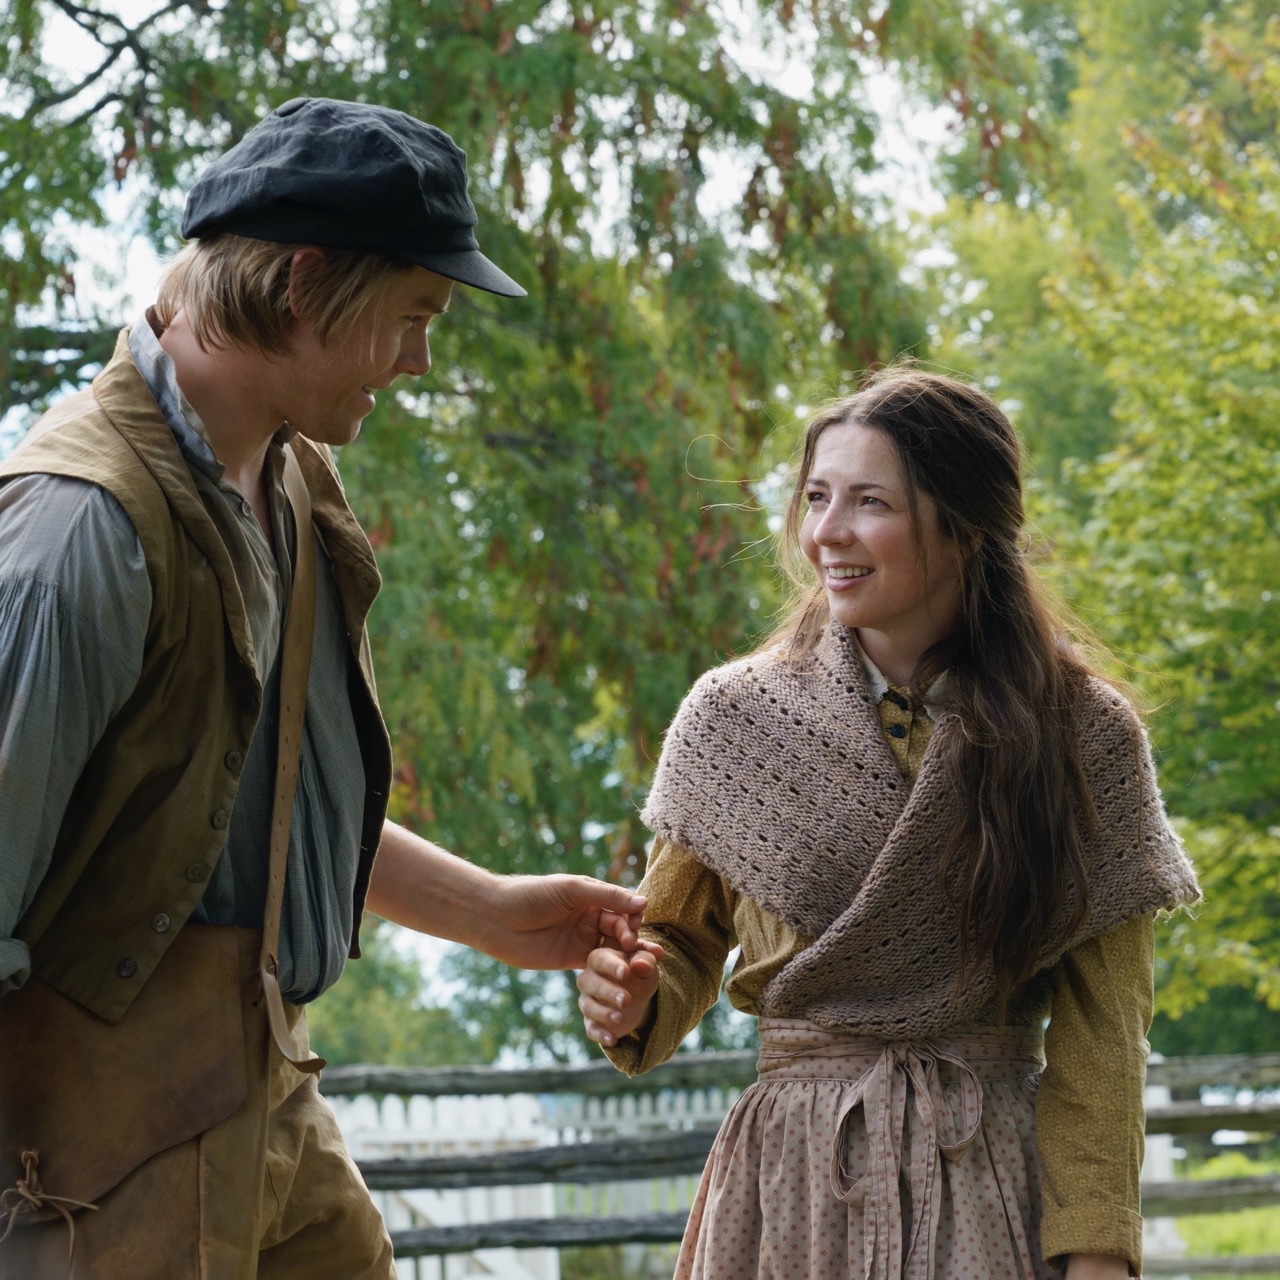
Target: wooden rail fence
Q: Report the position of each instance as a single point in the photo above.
(681, 1149)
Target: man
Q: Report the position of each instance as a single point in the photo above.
(184, 857)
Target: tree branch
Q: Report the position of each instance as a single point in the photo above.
(129, 39)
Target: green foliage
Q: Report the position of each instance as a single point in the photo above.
(532, 1015)
(564, 512)
(618, 1262)
(1231, 940)
(1244, 1233)
(1175, 560)
(1127, 317)
(380, 1013)
(1231, 1020)
(996, 324)
(1126, 72)
(567, 511)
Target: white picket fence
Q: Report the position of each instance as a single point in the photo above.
(1160, 1238)
(392, 1126)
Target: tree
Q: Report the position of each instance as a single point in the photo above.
(565, 513)
(1176, 561)
(1127, 315)
(381, 1012)
(1119, 66)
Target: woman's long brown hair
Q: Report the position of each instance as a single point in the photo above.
(1014, 867)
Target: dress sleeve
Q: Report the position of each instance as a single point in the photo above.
(75, 601)
(690, 912)
(1089, 1111)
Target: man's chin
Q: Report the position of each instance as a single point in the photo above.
(333, 436)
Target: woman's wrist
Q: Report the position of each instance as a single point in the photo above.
(1096, 1266)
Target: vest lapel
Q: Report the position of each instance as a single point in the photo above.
(127, 401)
(343, 539)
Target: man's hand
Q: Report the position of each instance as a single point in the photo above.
(556, 921)
(532, 922)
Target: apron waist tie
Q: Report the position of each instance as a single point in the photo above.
(942, 1132)
(882, 1075)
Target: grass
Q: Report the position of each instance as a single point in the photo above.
(1242, 1234)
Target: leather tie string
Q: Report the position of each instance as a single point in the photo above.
(940, 1130)
(28, 1196)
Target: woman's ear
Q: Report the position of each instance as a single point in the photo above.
(303, 262)
(964, 549)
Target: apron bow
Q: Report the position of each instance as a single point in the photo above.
(942, 1129)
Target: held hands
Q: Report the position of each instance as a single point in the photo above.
(616, 989)
(554, 921)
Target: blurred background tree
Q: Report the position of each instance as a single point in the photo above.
(572, 512)
(1124, 306)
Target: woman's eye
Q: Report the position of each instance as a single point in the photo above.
(814, 496)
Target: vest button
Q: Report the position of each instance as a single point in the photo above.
(160, 922)
(897, 731)
(218, 820)
(127, 968)
(197, 871)
(233, 760)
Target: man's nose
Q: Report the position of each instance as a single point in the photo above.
(415, 354)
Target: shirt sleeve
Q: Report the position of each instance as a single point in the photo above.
(1090, 1118)
(690, 912)
(75, 600)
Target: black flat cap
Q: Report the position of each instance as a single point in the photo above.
(346, 175)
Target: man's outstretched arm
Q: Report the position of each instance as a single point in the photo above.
(531, 922)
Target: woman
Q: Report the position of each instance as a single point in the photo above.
(928, 824)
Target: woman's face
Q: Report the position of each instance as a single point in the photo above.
(858, 535)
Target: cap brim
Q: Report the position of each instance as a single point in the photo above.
(469, 266)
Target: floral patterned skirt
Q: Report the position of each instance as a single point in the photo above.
(851, 1157)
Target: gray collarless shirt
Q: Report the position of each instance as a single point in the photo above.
(74, 603)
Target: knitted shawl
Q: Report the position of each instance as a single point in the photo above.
(778, 778)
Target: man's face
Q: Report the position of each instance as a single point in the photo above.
(332, 385)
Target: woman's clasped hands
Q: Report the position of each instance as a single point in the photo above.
(616, 990)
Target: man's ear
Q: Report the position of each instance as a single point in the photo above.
(301, 264)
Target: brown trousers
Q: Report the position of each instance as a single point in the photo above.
(267, 1192)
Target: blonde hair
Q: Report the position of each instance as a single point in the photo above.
(235, 290)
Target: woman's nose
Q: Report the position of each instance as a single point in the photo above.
(833, 529)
